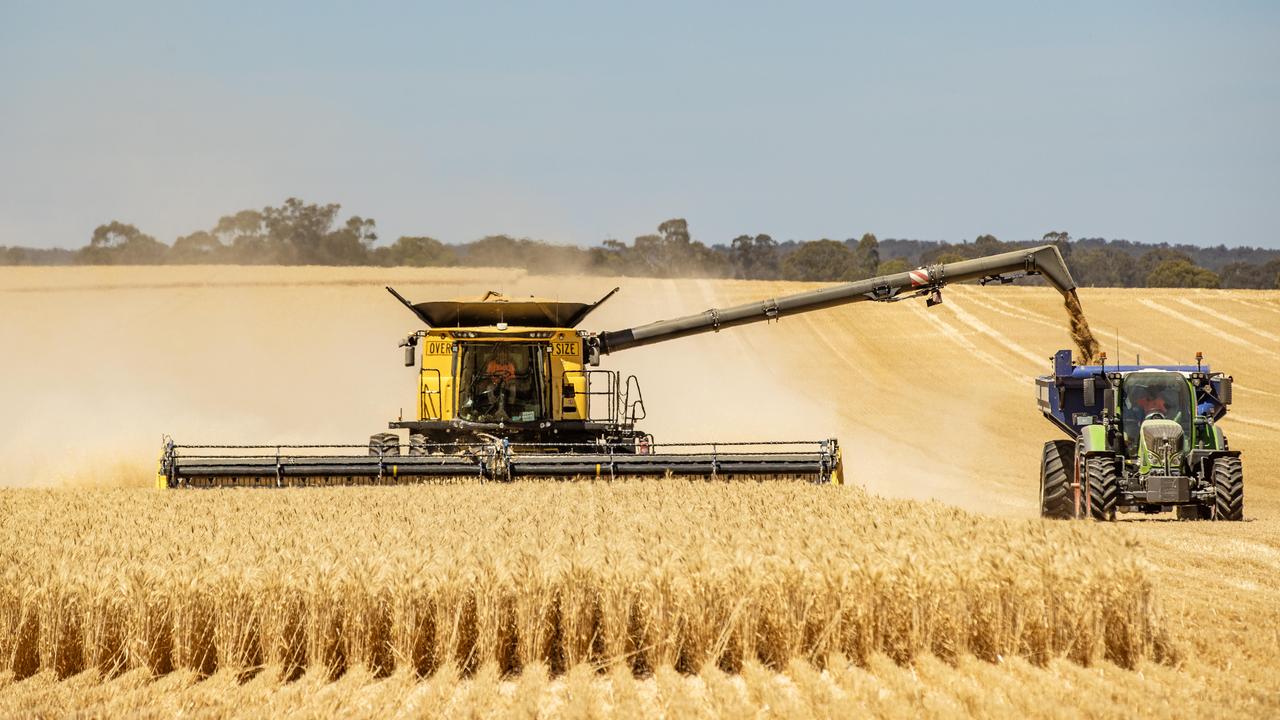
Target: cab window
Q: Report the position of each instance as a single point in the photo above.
(502, 382)
(1155, 395)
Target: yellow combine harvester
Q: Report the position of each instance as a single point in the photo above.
(508, 388)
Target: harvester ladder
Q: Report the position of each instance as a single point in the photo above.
(431, 402)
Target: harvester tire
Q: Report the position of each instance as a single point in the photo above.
(418, 445)
(1228, 489)
(384, 444)
(1056, 464)
(1104, 487)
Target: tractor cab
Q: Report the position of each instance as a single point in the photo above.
(1156, 409)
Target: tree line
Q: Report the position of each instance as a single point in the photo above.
(301, 233)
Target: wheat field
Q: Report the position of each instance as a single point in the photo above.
(928, 589)
(648, 574)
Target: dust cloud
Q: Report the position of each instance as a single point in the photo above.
(809, 377)
(106, 361)
(707, 388)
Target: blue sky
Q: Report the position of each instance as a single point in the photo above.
(578, 122)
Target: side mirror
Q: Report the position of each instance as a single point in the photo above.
(408, 356)
(1090, 393)
(1224, 390)
(1108, 401)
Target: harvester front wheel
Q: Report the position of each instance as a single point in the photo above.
(384, 444)
(1103, 484)
(1056, 465)
(1228, 489)
(418, 445)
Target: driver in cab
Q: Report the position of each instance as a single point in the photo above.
(1150, 402)
(501, 371)
(1140, 403)
(500, 367)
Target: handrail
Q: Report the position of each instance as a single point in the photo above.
(610, 393)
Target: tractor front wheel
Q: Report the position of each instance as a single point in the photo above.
(1103, 483)
(1056, 465)
(1228, 489)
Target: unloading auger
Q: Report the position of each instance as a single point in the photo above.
(508, 388)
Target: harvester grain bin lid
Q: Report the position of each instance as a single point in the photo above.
(494, 308)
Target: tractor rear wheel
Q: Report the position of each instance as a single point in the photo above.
(384, 444)
(1228, 489)
(1103, 484)
(1056, 464)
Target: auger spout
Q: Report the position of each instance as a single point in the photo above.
(926, 281)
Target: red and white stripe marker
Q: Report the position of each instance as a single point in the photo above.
(919, 276)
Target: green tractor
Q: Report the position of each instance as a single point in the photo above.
(1143, 438)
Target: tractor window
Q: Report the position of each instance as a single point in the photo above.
(502, 382)
(1151, 395)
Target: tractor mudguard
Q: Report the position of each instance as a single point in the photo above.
(1093, 439)
(1219, 439)
(1201, 461)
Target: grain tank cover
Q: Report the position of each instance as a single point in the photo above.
(494, 308)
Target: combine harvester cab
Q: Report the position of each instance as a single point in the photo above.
(509, 388)
(1144, 438)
